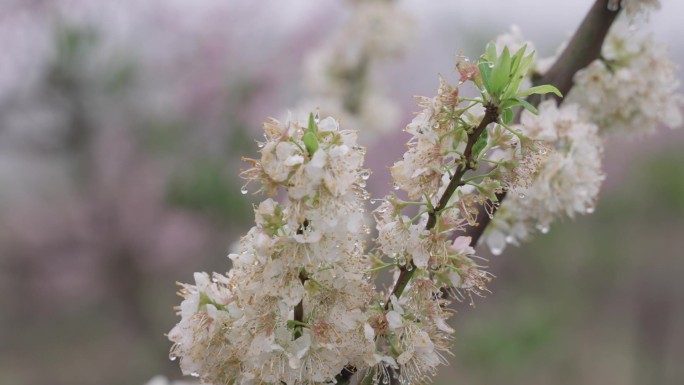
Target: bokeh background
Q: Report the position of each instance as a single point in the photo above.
(122, 125)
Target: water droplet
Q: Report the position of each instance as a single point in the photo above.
(365, 174)
(521, 196)
(260, 144)
(385, 380)
(510, 239)
(396, 187)
(436, 125)
(409, 267)
(543, 228)
(172, 358)
(496, 250)
(194, 374)
(590, 210)
(317, 117)
(244, 190)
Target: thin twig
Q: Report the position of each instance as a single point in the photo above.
(467, 163)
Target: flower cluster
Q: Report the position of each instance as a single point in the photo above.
(567, 183)
(440, 174)
(634, 8)
(339, 74)
(298, 306)
(291, 308)
(632, 88)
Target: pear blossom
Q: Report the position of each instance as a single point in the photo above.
(566, 184)
(634, 7)
(339, 75)
(632, 88)
(291, 308)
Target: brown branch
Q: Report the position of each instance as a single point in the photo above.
(467, 163)
(584, 48)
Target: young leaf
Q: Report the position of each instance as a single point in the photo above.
(310, 139)
(545, 89)
(310, 142)
(500, 73)
(528, 106)
(480, 143)
(312, 123)
(490, 55)
(485, 70)
(507, 115)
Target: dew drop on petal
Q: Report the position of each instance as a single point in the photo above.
(496, 250)
(244, 190)
(590, 210)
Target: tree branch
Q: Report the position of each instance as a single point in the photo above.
(583, 48)
(467, 163)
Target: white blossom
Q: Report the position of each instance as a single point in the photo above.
(567, 183)
(291, 308)
(634, 8)
(632, 89)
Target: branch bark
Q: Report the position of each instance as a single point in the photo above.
(583, 48)
(407, 271)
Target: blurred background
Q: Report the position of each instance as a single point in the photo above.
(122, 125)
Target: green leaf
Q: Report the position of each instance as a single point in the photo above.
(507, 116)
(508, 103)
(528, 106)
(480, 143)
(485, 70)
(490, 54)
(313, 127)
(541, 90)
(310, 139)
(517, 57)
(310, 142)
(513, 86)
(499, 77)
